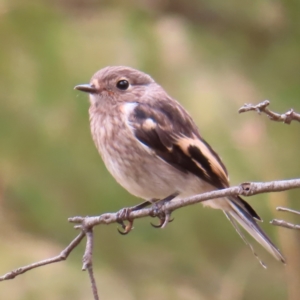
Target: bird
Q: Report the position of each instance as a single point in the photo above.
(152, 147)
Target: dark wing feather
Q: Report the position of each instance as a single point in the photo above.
(171, 133)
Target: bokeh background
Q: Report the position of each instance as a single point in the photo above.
(213, 56)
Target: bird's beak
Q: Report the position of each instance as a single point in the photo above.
(87, 88)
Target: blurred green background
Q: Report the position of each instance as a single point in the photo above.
(213, 56)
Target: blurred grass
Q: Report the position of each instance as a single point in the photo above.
(212, 56)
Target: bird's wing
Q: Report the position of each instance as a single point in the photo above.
(171, 134)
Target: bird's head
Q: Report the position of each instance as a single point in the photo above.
(116, 84)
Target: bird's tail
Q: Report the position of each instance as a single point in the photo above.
(241, 214)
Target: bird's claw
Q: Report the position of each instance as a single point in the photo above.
(164, 217)
(124, 214)
(126, 228)
(162, 223)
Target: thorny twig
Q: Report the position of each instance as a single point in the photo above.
(286, 118)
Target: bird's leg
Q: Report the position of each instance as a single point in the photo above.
(123, 214)
(164, 216)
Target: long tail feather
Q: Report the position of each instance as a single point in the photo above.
(244, 218)
(238, 230)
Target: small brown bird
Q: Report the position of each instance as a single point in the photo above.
(152, 147)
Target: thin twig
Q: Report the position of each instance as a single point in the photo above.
(93, 282)
(292, 211)
(88, 261)
(62, 256)
(284, 224)
(88, 253)
(286, 118)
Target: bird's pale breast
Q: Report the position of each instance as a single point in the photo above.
(136, 167)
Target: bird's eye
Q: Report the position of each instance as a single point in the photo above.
(123, 84)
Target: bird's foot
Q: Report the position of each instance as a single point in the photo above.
(123, 214)
(164, 216)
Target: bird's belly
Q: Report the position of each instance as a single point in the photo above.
(146, 176)
(138, 169)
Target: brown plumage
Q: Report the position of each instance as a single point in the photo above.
(153, 148)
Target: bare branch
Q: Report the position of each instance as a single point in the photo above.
(284, 224)
(296, 212)
(86, 224)
(286, 118)
(62, 256)
(88, 261)
(245, 189)
(93, 282)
